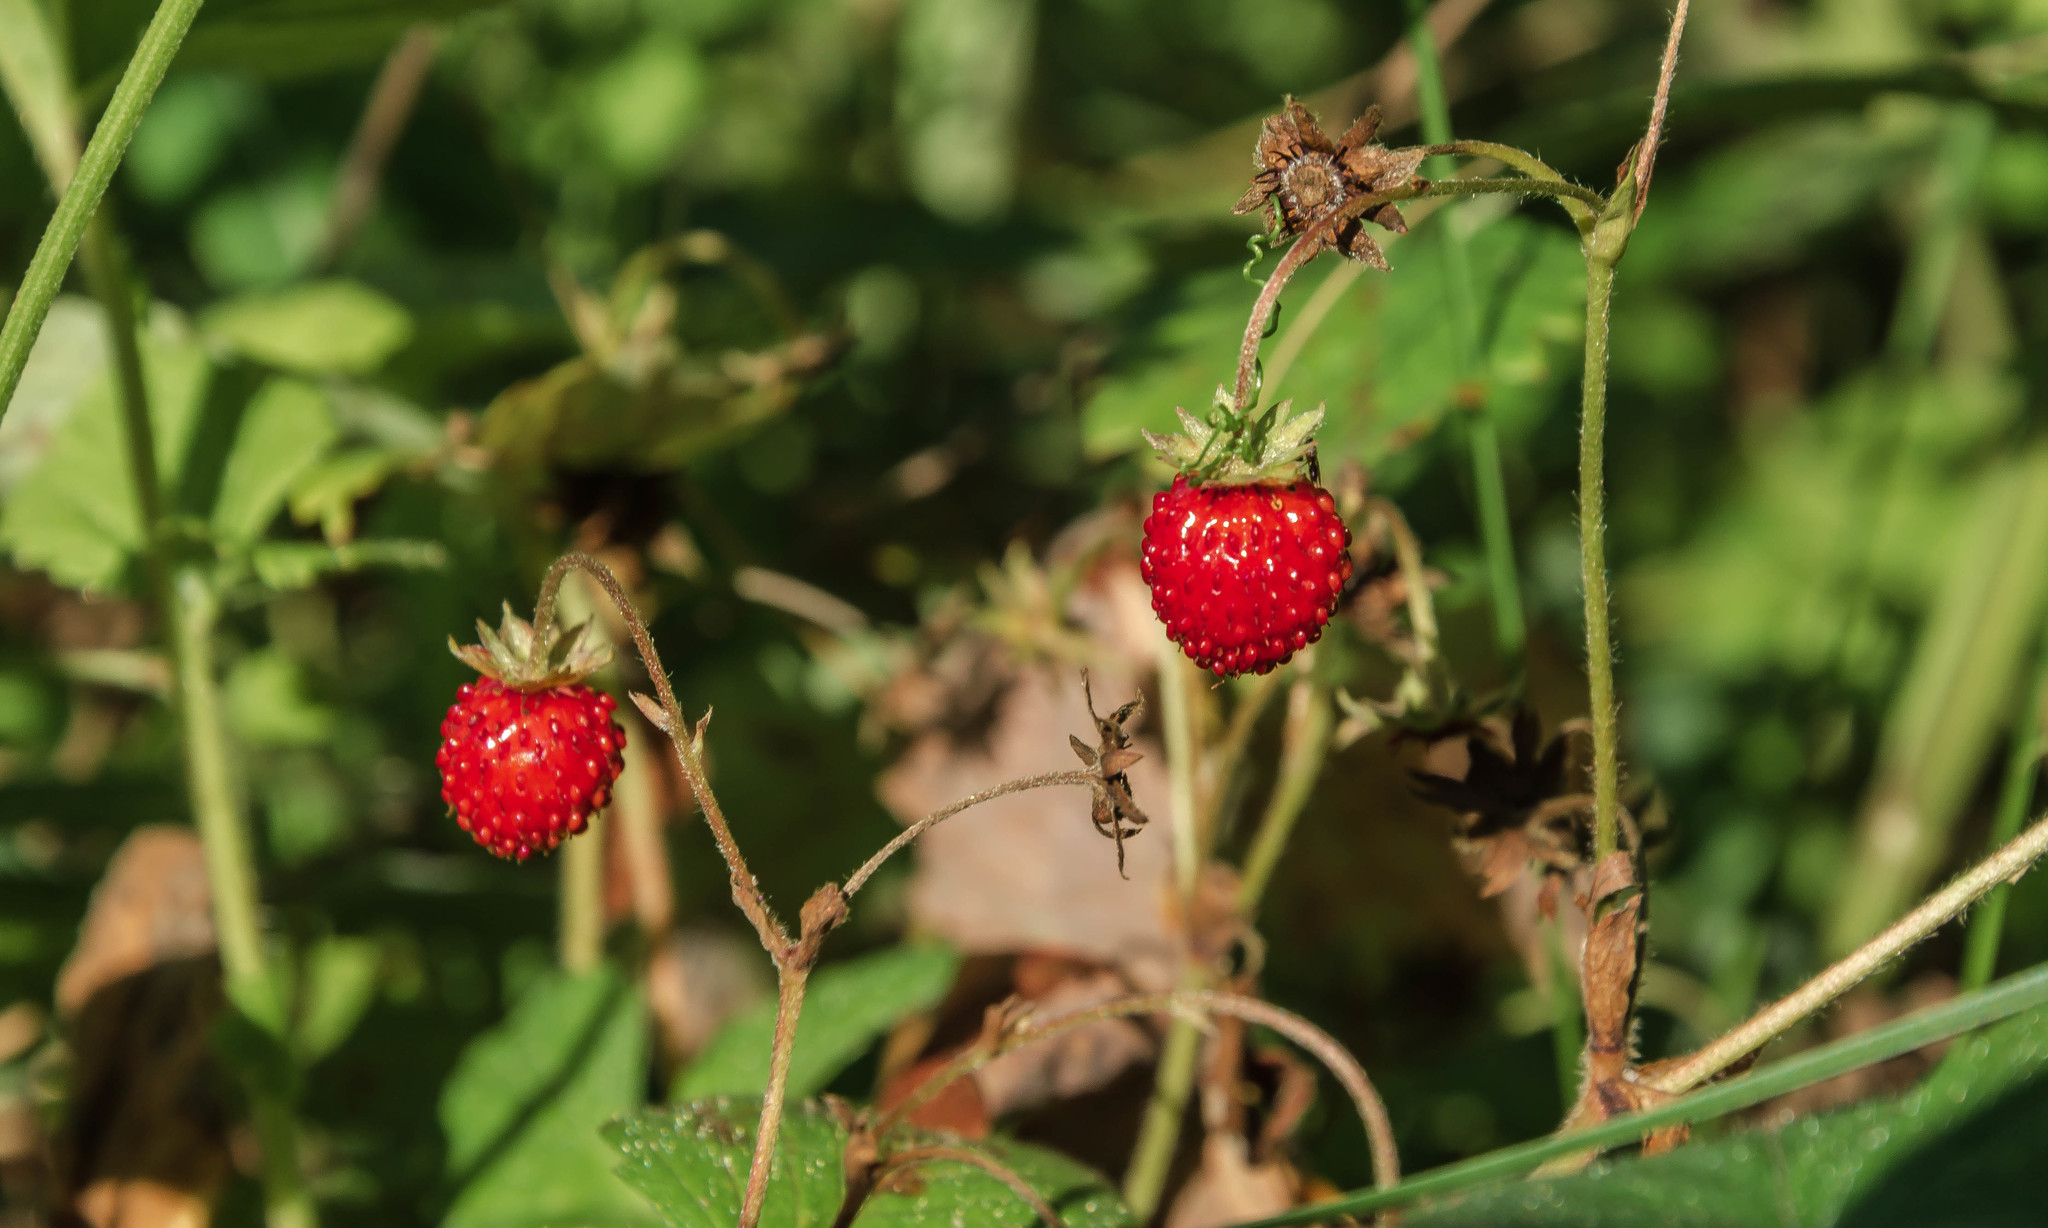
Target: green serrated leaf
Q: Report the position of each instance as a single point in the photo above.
(692, 1163)
(523, 1108)
(319, 328)
(286, 428)
(849, 1005)
(1964, 1148)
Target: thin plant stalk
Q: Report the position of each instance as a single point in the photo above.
(1159, 1133)
(1482, 432)
(1173, 1080)
(789, 1005)
(2014, 995)
(1987, 924)
(45, 274)
(1567, 1024)
(231, 876)
(1305, 743)
(581, 935)
(1600, 261)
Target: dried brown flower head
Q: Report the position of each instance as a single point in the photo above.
(1515, 804)
(1302, 175)
(1115, 815)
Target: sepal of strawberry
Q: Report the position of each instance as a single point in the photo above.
(524, 661)
(1235, 449)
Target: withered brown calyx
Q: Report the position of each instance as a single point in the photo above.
(1302, 175)
(1115, 815)
(1516, 803)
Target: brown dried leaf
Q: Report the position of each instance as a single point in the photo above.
(1074, 1063)
(1229, 1188)
(146, 1143)
(151, 907)
(1027, 872)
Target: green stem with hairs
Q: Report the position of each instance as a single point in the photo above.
(1497, 538)
(1603, 250)
(45, 275)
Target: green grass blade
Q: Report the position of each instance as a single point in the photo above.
(2008, 997)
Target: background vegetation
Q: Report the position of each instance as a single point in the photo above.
(830, 324)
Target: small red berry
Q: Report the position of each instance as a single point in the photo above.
(525, 770)
(528, 753)
(1245, 575)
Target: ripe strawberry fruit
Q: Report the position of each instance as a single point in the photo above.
(528, 753)
(1245, 567)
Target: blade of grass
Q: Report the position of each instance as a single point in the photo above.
(2009, 997)
(45, 275)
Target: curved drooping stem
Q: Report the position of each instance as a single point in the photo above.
(1582, 202)
(909, 835)
(689, 746)
(1019, 1032)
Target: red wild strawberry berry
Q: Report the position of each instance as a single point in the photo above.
(528, 753)
(1245, 575)
(525, 770)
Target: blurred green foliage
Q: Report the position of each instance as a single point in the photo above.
(864, 291)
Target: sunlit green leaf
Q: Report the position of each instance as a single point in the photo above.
(75, 515)
(848, 1007)
(523, 1108)
(285, 428)
(692, 1162)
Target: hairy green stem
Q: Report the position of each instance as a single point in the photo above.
(45, 275)
(2024, 992)
(1987, 924)
(1559, 189)
(1603, 250)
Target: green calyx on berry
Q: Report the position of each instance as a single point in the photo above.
(524, 661)
(1237, 448)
